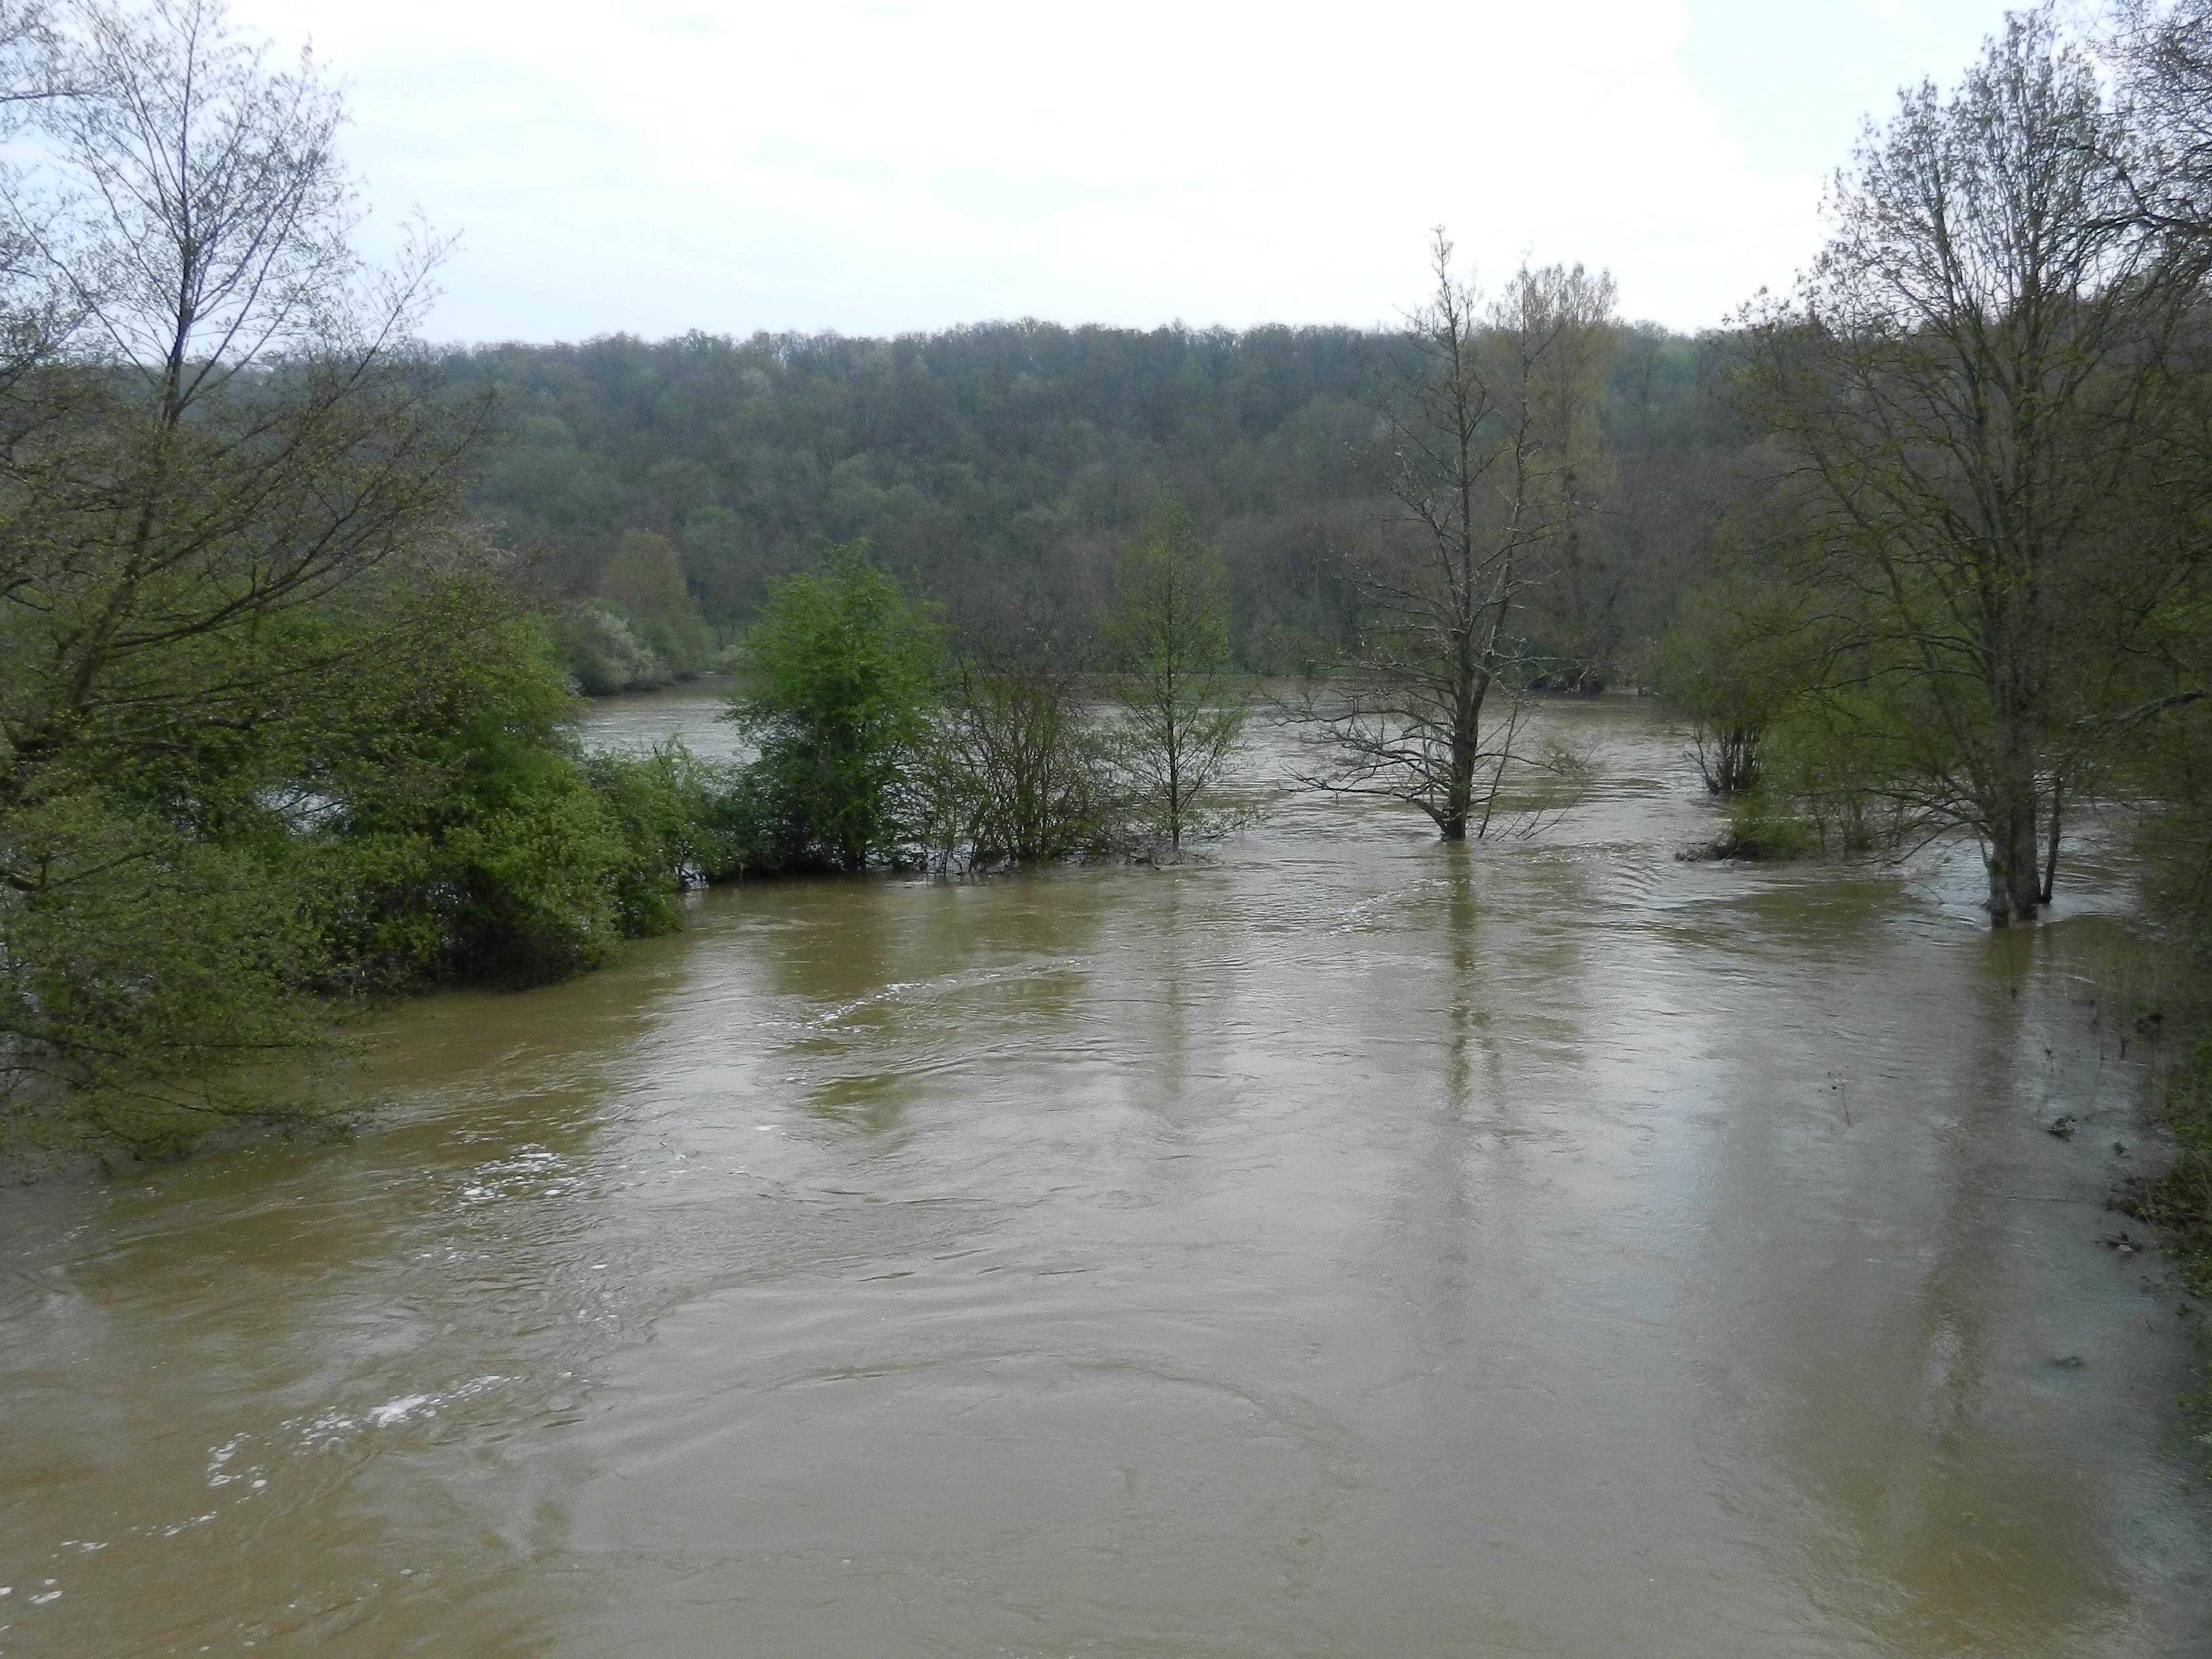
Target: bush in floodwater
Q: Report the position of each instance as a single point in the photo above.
(481, 847)
(680, 826)
(842, 674)
(1759, 827)
(1015, 767)
(1821, 789)
(602, 653)
(1733, 659)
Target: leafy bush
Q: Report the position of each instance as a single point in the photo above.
(678, 819)
(1732, 662)
(842, 675)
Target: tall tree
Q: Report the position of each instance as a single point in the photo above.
(1491, 421)
(1966, 385)
(2164, 55)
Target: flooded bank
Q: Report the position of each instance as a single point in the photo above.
(1350, 1245)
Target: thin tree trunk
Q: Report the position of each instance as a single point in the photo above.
(2015, 889)
(2050, 853)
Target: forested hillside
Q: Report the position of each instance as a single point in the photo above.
(660, 485)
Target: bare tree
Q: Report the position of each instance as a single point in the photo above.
(1489, 416)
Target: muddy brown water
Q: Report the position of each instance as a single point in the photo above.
(1350, 1246)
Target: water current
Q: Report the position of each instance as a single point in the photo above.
(1345, 1244)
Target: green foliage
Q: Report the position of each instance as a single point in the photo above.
(1183, 718)
(1818, 746)
(137, 964)
(2180, 1199)
(481, 846)
(232, 610)
(2167, 755)
(602, 653)
(1761, 825)
(419, 816)
(842, 672)
(677, 817)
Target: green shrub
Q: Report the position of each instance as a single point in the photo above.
(842, 674)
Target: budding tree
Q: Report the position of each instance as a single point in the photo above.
(1489, 413)
(1170, 633)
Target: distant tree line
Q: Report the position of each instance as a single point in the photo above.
(660, 488)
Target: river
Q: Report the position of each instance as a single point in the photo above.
(1346, 1245)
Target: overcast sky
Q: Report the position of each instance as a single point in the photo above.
(874, 165)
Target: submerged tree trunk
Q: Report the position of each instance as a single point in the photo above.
(2015, 871)
(2016, 878)
(2050, 841)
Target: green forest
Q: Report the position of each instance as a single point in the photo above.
(663, 485)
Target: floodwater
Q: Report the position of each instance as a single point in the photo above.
(1351, 1245)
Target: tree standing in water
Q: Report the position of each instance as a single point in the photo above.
(1490, 413)
(1973, 387)
(842, 673)
(1169, 631)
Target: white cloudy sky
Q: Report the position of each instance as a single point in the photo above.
(879, 165)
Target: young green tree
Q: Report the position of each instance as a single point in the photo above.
(1168, 632)
(234, 424)
(841, 674)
